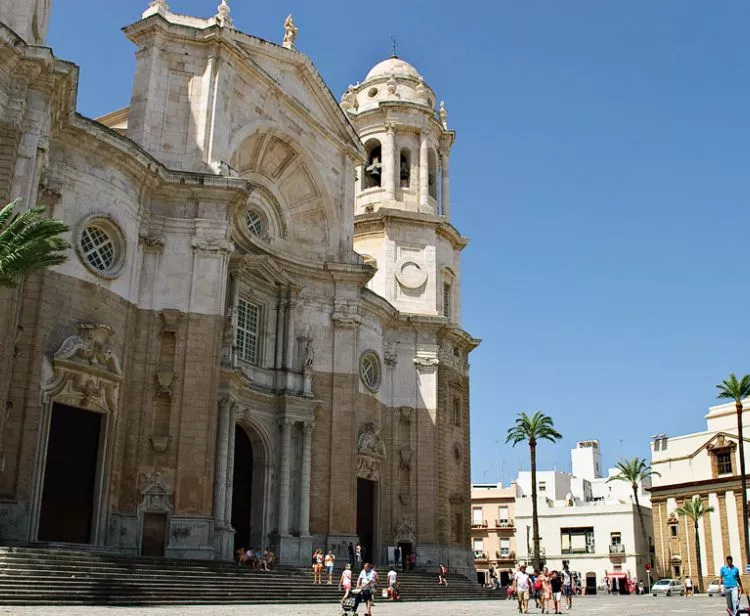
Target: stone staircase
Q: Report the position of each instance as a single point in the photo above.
(31, 576)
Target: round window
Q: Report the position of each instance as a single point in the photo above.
(101, 246)
(254, 223)
(372, 92)
(369, 370)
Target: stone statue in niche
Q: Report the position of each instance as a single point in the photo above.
(370, 442)
(290, 33)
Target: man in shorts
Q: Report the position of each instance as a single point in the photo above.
(567, 582)
(366, 583)
(522, 584)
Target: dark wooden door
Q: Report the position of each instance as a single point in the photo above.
(154, 534)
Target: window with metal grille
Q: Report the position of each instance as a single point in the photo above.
(724, 463)
(248, 331)
(254, 223)
(98, 248)
(447, 307)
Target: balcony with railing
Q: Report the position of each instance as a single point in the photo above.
(480, 556)
(616, 548)
(479, 524)
(505, 524)
(504, 555)
(588, 549)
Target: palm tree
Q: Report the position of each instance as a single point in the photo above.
(634, 471)
(531, 429)
(695, 510)
(28, 241)
(732, 389)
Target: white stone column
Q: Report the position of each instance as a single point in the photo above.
(222, 452)
(289, 341)
(286, 462)
(446, 188)
(389, 163)
(304, 501)
(232, 416)
(424, 170)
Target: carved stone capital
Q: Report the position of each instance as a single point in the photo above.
(170, 320)
(212, 246)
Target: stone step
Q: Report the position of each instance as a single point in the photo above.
(39, 576)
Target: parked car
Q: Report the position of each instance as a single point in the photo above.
(715, 588)
(667, 588)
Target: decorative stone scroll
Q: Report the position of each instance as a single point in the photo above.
(371, 452)
(85, 370)
(404, 531)
(721, 442)
(156, 495)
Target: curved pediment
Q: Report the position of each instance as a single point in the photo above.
(291, 184)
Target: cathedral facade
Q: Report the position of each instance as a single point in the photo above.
(256, 338)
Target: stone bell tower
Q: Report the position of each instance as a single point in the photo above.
(29, 19)
(402, 207)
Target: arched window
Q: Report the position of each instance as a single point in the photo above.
(373, 171)
(432, 179)
(405, 168)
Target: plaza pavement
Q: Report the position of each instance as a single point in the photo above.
(617, 606)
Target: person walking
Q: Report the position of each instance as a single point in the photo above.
(397, 556)
(546, 591)
(393, 584)
(567, 580)
(345, 581)
(365, 583)
(358, 555)
(556, 583)
(521, 586)
(330, 559)
(442, 572)
(688, 587)
(730, 578)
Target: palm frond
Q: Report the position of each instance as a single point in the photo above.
(532, 428)
(694, 509)
(634, 470)
(734, 389)
(29, 241)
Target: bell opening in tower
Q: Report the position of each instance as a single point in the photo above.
(374, 167)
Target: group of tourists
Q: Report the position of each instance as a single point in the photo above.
(365, 588)
(549, 589)
(256, 559)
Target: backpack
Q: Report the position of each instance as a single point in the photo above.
(538, 584)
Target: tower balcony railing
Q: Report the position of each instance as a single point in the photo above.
(504, 524)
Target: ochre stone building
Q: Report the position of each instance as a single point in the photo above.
(704, 464)
(256, 339)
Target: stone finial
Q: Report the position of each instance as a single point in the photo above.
(222, 15)
(290, 33)
(156, 6)
(349, 100)
(443, 115)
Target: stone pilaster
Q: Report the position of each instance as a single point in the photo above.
(389, 163)
(284, 478)
(446, 187)
(304, 501)
(424, 170)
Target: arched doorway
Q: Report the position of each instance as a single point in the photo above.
(248, 489)
(242, 488)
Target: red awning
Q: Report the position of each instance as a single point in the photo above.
(618, 575)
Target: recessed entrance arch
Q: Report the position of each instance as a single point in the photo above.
(248, 489)
(70, 475)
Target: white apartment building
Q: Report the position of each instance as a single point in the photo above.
(591, 524)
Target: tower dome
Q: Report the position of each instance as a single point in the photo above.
(393, 67)
(391, 81)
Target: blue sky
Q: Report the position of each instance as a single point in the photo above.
(600, 170)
